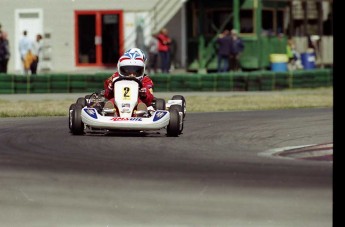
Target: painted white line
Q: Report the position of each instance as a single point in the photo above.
(311, 154)
(314, 151)
(275, 151)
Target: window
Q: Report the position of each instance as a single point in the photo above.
(247, 21)
(273, 21)
(218, 20)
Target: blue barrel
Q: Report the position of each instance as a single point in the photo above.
(308, 60)
(279, 67)
(279, 62)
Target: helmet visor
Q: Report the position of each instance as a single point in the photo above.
(137, 71)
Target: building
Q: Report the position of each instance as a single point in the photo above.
(83, 34)
(80, 35)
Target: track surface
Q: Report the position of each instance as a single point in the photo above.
(211, 175)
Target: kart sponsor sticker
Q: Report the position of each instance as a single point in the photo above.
(126, 119)
(125, 110)
(159, 115)
(91, 112)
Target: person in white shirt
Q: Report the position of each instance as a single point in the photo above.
(36, 50)
(25, 46)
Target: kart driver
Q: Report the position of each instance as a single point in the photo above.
(131, 64)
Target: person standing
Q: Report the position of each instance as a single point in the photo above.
(153, 54)
(224, 45)
(36, 50)
(292, 54)
(25, 46)
(236, 49)
(163, 48)
(4, 52)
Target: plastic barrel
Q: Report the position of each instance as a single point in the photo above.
(308, 60)
(279, 62)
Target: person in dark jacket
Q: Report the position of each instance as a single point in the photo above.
(236, 49)
(4, 52)
(224, 45)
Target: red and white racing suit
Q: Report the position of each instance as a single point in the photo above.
(147, 84)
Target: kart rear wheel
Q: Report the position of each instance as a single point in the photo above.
(160, 104)
(184, 106)
(77, 126)
(173, 129)
(179, 109)
(71, 107)
(81, 101)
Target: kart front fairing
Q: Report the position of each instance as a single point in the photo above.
(127, 117)
(92, 118)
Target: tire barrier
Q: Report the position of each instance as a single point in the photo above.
(231, 81)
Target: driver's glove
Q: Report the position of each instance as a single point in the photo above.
(142, 93)
(110, 86)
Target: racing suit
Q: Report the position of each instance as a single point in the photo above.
(145, 94)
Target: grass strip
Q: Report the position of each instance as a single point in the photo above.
(303, 98)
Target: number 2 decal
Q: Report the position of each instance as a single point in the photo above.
(126, 93)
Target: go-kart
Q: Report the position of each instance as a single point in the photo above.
(88, 114)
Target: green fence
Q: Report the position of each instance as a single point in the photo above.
(239, 81)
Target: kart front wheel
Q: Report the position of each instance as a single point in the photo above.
(81, 101)
(179, 109)
(77, 126)
(160, 104)
(71, 108)
(173, 129)
(184, 106)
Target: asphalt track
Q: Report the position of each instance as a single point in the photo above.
(214, 174)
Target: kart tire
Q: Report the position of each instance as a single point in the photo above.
(160, 104)
(71, 107)
(173, 128)
(81, 101)
(184, 106)
(77, 124)
(179, 109)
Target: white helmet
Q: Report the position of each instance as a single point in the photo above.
(132, 62)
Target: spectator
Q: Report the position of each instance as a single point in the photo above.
(36, 50)
(290, 50)
(25, 46)
(294, 61)
(4, 52)
(153, 54)
(224, 45)
(28, 59)
(313, 46)
(236, 49)
(163, 48)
